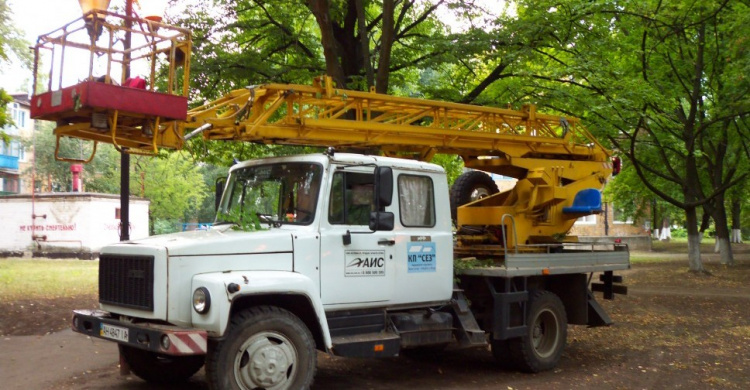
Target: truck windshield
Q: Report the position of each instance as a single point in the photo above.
(273, 193)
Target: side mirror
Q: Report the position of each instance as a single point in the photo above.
(383, 187)
(381, 221)
(221, 182)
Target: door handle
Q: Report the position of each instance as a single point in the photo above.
(388, 242)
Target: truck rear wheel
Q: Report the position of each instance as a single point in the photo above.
(540, 349)
(471, 186)
(158, 368)
(267, 348)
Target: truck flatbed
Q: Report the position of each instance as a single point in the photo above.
(574, 258)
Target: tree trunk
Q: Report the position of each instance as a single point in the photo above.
(705, 221)
(665, 234)
(722, 231)
(331, 52)
(386, 44)
(694, 241)
(736, 223)
(364, 42)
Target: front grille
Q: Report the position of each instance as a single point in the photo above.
(127, 280)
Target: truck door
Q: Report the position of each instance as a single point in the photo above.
(424, 243)
(362, 270)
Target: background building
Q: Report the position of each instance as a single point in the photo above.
(15, 159)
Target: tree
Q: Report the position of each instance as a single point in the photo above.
(100, 175)
(659, 80)
(172, 182)
(12, 45)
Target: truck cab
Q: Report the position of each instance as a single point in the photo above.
(333, 239)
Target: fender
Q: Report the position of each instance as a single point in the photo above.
(216, 320)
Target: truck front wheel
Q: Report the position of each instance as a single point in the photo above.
(161, 369)
(541, 347)
(266, 347)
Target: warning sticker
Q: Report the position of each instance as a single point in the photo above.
(364, 263)
(421, 256)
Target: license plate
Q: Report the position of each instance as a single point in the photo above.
(114, 332)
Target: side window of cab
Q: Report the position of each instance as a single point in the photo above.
(416, 199)
(351, 199)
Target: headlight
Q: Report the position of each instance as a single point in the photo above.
(201, 300)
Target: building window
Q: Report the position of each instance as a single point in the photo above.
(587, 220)
(619, 216)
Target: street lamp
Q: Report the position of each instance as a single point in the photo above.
(153, 10)
(90, 5)
(92, 26)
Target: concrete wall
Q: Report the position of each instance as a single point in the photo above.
(76, 224)
(635, 243)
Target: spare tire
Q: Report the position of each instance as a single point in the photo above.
(471, 186)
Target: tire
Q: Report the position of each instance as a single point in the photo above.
(161, 369)
(471, 186)
(540, 349)
(266, 347)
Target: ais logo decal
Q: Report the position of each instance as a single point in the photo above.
(364, 263)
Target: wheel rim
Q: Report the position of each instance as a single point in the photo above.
(479, 193)
(545, 333)
(267, 360)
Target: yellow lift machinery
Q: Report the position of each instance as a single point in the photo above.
(560, 167)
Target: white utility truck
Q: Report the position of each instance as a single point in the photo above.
(348, 254)
(354, 257)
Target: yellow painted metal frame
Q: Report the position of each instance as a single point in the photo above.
(323, 115)
(552, 157)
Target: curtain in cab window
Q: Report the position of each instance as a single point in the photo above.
(416, 201)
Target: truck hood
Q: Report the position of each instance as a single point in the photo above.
(220, 241)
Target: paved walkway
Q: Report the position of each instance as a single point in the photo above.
(56, 356)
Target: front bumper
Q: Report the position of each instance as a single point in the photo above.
(151, 337)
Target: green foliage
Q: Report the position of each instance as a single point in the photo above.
(452, 164)
(11, 38)
(11, 43)
(467, 263)
(243, 219)
(5, 99)
(172, 182)
(164, 226)
(101, 175)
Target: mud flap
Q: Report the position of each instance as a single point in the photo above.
(597, 315)
(467, 330)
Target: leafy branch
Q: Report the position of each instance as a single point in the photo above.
(246, 221)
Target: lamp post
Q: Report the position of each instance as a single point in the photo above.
(151, 10)
(124, 156)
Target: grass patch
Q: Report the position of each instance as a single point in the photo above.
(30, 279)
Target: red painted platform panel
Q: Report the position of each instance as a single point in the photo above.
(96, 95)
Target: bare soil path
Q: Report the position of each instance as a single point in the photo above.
(675, 329)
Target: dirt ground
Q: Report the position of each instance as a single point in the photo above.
(675, 329)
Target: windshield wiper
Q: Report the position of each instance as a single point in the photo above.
(267, 219)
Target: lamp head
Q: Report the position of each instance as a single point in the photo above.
(90, 5)
(93, 26)
(153, 9)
